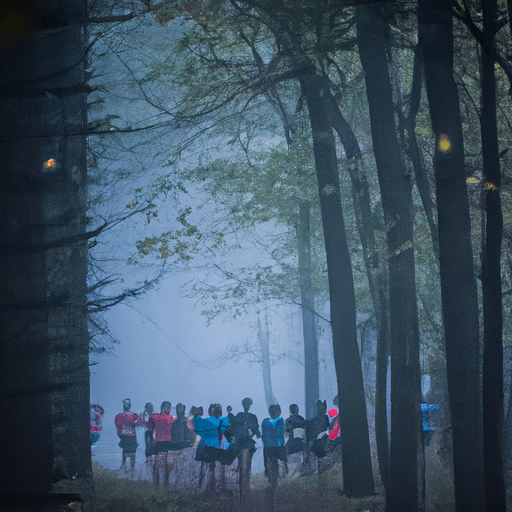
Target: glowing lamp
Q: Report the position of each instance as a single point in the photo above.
(444, 144)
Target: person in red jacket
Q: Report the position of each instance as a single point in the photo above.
(126, 422)
(334, 425)
(97, 413)
(160, 425)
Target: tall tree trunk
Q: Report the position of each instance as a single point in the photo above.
(312, 391)
(357, 470)
(263, 338)
(414, 153)
(458, 286)
(376, 279)
(507, 429)
(27, 458)
(43, 336)
(395, 186)
(491, 276)
(309, 331)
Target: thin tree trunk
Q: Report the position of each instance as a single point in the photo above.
(263, 338)
(491, 276)
(372, 34)
(312, 391)
(357, 470)
(309, 332)
(458, 286)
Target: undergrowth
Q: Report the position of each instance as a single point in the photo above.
(293, 495)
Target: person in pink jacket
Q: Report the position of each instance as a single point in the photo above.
(126, 422)
(160, 425)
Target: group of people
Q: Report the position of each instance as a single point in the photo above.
(224, 438)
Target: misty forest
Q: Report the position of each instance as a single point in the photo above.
(256, 255)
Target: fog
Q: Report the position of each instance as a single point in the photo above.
(168, 352)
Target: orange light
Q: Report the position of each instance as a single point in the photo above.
(50, 163)
(444, 144)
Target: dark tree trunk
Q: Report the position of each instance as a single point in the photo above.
(414, 153)
(507, 430)
(491, 276)
(395, 186)
(458, 286)
(357, 470)
(376, 279)
(43, 260)
(381, 386)
(312, 392)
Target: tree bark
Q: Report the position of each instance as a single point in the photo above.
(395, 186)
(376, 279)
(357, 470)
(312, 391)
(270, 399)
(43, 336)
(458, 285)
(493, 413)
(414, 153)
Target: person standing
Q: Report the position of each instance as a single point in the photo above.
(334, 426)
(97, 413)
(213, 445)
(427, 431)
(148, 435)
(126, 422)
(160, 425)
(244, 427)
(272, 433)
(295, 426)
(181, 435)
(193, 413)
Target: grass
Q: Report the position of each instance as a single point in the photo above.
(293, 495)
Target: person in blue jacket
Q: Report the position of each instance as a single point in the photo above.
(272, 435)
(213, 431)
(427, 424)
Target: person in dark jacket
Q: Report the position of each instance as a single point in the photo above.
(295, 426)
(181, 435)
(244, 427)
(317, 430)
(148, 435)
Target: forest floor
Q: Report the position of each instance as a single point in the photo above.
(296, 494)
(116, 493)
